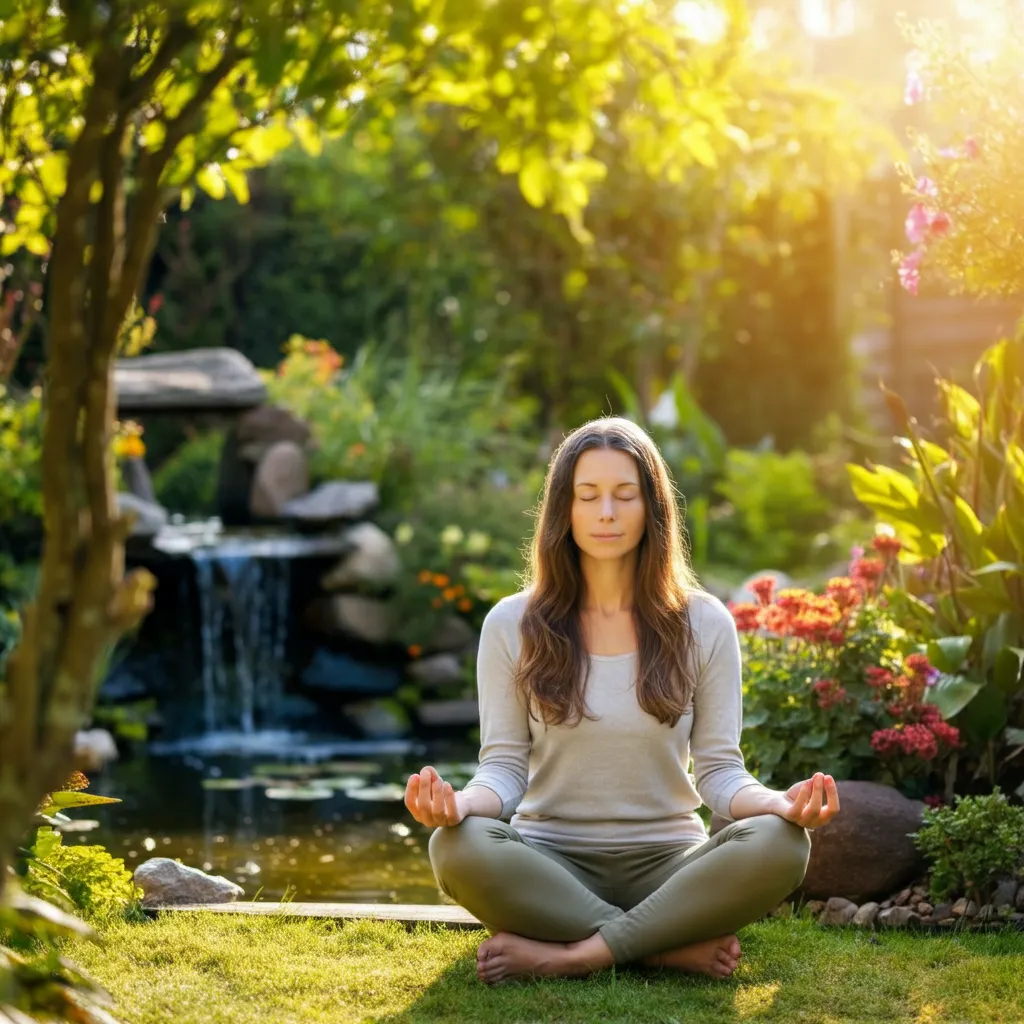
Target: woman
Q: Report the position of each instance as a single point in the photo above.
(597, 685)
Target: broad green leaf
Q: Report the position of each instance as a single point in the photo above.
(992, 567)
(236, 181)
(947, 653)
(1014, 737)
(308, 135)
(962, 409)
(535, 180)
(951, 694)
(985, 716)
(64, 800)
(211, 180)
(1007, 669)
(754, 719)
(814, 740)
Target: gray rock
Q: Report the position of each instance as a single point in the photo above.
(137, 479)
(1019, 901)
(340, 499)
(942, 912)
(448, 712)
(924, 909)
(814, 907)
(742, 594)
(365, 618)
(866, 915)
(93, 749)
(902, 899)
(987, 912)
(150, 518)
(204, 379)
(838, 911)
(281, 475)
(455, 634)
(898, 917)
(373, 560)
(260, 429)
(165, 883)
(965, 908)
(864, 852)
(338, 672)
(436, 670)
(1005, 894)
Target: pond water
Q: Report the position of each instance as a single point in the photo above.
(294, 826)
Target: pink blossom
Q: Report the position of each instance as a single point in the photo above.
(927, 187)
(910, 274)
(913, 92)
(917, 223)
(971, 148)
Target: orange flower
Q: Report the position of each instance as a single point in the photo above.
(437, 602)
(440, 580)
(746, 614)
(449, 594)
(465, 605)
(415, 650)
(357, 449)
(762, 588)
(460, 590)
(425, 576)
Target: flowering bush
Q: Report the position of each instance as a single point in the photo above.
(833, 684)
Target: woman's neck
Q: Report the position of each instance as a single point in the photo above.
(608, 585)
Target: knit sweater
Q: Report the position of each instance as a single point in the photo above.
(620, 777)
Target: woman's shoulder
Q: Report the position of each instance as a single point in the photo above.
(708, 614)
(506, 614)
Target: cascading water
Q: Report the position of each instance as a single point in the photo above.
(241, 682)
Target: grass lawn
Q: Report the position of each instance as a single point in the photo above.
(219, 969)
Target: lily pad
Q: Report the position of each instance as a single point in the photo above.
(280, 769)
(341, 782)
(228, 783)
(385, 792)
(298, 793)
(350, 767)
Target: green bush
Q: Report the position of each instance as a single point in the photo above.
(972, 845)
(773, 513)
(21, 441)
(187, 481)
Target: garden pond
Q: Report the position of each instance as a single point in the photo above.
(317, 822)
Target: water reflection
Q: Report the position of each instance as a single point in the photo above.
(335, 847)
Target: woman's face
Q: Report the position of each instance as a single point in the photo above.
(608, 514)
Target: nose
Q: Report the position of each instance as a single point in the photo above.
(607, 508)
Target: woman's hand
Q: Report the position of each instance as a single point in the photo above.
(802, 802)
(432, 801)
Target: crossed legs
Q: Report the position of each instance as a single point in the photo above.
(546, 919)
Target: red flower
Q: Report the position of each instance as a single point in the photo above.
(867, 572)
(946, 733)
(777, 620)
(878, 676)
(887, 545)
(829, 693)
(843, 591)
(155, 303)
(762, 588)
(746, 615)
(933, 800)
(917, 664)
(836, 637)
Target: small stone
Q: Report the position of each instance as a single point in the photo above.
(1005, 894)
(783, 910)
(950, 922)
(943, 912)
(902, 899)
(838, 912)
(919, 892)
(437, 670)
(987, 912)
(898, 917)
(866, 915)
(165, 882)
(333, 501)
(924, 909)
(965, 908)
(814, 907)
(885, 904)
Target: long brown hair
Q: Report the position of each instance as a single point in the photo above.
(553, 666)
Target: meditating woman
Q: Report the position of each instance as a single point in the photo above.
(597, 685)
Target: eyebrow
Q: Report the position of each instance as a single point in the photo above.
(621, 483)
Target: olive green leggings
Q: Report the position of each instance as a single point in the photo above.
(643, 899)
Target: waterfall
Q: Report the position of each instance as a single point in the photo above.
(243, 607)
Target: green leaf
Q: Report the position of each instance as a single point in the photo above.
(308, 135)
(535, 180)
(985, 716)
(236, 181)
(951, 694)
(997, 567)
(814, 740)
(63, 800)
(211, 180)
(1007, 669)
(947, 654)
(755, 718)
(1014, 737)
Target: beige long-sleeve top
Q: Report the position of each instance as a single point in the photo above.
(621, 777)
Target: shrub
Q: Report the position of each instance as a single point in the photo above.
(187, 481)
(971, 845)
(833, 684)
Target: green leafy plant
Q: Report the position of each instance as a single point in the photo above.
(972, 845)
(957, 506)
(186, 482)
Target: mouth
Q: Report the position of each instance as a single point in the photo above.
(606, 536)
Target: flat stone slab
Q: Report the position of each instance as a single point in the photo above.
(199, 379)
(408, 914)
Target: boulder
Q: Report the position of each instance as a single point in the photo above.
(1005, 894)
(373, 560)
(150, 518)
(965, 908)
(166, 883)
(379, 719)
(838, 912)
(331, 502)
(336, 672)
(137, 479)
(454, 634)
(436, 670)
(365, 618)
(205, 379)
(898, 917)
(281, 475)
(942, 912)
(260, 429)
(445, 713)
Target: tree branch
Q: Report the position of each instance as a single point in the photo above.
(134, 91)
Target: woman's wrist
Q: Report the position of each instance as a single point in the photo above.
(750, 801)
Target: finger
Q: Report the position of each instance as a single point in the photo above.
(412, 792)
(813, 808)
(800, 800)
(832, 791)
(450, 809)
(425, 801)
(437, 801)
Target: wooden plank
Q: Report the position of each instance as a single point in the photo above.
(408, 914)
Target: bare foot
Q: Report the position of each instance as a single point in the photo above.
(714, 957)
(506, 955)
